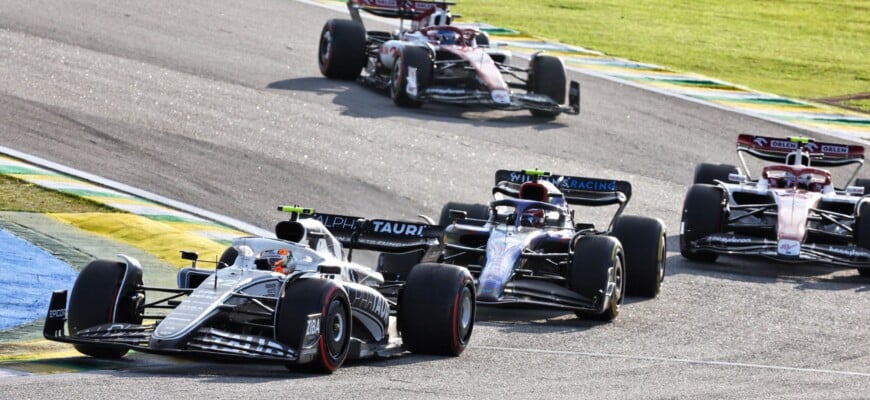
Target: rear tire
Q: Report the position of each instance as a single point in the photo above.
(474, 211)
(709, 173)
(437, 309)
(644, 241)
(411, 59)
(307, 296)
(342, 50)
(92, 302)
(702, 216)
(547, 76)
(594, 256)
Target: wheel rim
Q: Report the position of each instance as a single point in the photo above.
(619, 280)
(663, 251)
(396, 84)
(325, 47)
(466, 311)
(336, 329)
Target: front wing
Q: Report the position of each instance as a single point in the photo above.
(847, 256)
(203, 342)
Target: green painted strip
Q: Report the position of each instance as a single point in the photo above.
(496, 31)
(174, 218)
(22, 170)
(95, 193)
(689, 82)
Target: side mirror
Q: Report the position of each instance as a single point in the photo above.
(855, 190)
(736, 178)
(189, 255)
(457, 214)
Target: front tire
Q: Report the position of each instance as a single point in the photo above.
(590, 274)
(702, 216)
(547, 76)
(710, 173)
(644, 241)
(437, 309)
(342, 50)
(307, 296)
(99, 288)
(412, 70)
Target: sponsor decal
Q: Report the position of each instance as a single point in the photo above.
(237, 343)
(848, 252)
(789, 247)
(313, 327)
(446, 91)
(411, 86)
(783, 144)
(501, 97)
(371, 302)
(397, 228)
(828, 148)
(811, 147)
(730, 240)
(568, 182)
(57, 313)
(336, 221)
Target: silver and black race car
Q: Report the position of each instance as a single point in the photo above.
(791, 212)
(434, 60)
(526, 249)
(297, 300)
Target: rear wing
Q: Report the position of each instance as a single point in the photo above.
(379, 234)
(405, 9)
(822, 154)
(577, 190)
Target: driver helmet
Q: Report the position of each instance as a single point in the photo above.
(446, 36)
(783, 182)
(440, 17)
(533, 218)
(281, 261)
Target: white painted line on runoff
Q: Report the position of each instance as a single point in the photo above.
(651, 89)
(673, 360)
(243, 226)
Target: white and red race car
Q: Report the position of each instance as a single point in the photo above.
(434, 60)
(792, 212)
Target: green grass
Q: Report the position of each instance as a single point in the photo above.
(18, 195)
(801, 49)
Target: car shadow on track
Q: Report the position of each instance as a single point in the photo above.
(359, 101)
(806, 276)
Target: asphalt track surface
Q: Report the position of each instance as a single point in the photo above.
(220, 104)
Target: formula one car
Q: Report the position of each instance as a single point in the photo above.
(296, 300)
(525, 249)
(437, 61)
(792, 212)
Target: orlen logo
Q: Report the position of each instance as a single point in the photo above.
(827, 148)
(782, 144)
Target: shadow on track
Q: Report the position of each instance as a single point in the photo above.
(806, 276)
(357, 100)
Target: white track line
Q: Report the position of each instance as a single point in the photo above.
(673, 360)
(243, 226)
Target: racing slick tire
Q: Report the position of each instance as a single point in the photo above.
(864, 183)
(306, 296)
(473, 211)
(411, 59)
(98, 289)
(593, 257)
(862, 230)
(437, 309)
(710, 173)
(644, 241)
(702, 216)
(547, 76)
(342, 50)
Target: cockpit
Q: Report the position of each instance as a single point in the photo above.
(787, 177)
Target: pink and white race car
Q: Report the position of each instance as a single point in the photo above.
(792, 212)
(434, 60)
